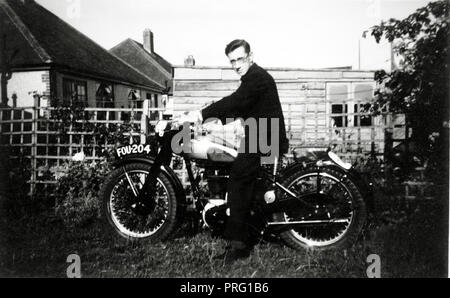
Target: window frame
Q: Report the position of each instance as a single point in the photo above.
(351, 101)
(136, 103)
(101, 104)
(74, 85)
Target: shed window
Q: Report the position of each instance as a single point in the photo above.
(350, 101)
(338, 120)
(363, 96)
(361, 118)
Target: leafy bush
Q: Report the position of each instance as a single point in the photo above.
(419, 88)
(76, 194)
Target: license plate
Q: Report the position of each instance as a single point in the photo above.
(133, 149)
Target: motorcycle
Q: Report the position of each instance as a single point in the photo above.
(316, 202)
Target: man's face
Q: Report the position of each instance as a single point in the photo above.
(240, 60)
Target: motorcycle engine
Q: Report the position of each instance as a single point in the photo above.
(215, 211)
(217, 183)
(215, 216)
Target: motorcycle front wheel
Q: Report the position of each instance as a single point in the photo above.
(337, 215)
(154, 219)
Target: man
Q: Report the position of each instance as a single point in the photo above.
(257, 98)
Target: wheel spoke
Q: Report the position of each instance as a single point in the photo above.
(330, 219)
(131, 218)
(131, 184)
(318, 183)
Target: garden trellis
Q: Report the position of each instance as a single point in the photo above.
(31, 133)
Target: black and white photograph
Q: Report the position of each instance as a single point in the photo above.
(224, 145)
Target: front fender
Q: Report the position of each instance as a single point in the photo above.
(165, 169)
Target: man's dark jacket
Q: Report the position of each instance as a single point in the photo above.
(257, 97)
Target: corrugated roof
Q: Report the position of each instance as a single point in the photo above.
(45, 39)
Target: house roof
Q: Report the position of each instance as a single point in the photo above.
(43, 39)
(151, 64)
(163, 62)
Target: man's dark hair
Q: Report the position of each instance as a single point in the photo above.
(237, 44)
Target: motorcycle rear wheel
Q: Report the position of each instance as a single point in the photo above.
(338, 197)
(118, 203)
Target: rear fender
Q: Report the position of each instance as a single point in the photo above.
(363, 183)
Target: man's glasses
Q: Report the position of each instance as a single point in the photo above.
(238, 60)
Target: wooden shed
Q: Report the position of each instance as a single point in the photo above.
(322, 107)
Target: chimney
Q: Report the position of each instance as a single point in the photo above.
(189, 61)
(148, 40)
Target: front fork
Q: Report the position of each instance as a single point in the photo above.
(163, 157)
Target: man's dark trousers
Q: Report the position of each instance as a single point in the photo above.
(241, 187)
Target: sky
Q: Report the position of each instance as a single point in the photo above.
(282, 33)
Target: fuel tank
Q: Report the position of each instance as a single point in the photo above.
(207, 148)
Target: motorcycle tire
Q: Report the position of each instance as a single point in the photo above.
(333, 235)
(117, 205)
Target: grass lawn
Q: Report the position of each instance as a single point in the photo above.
(411, 243)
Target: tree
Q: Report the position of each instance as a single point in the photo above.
(419, 88)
